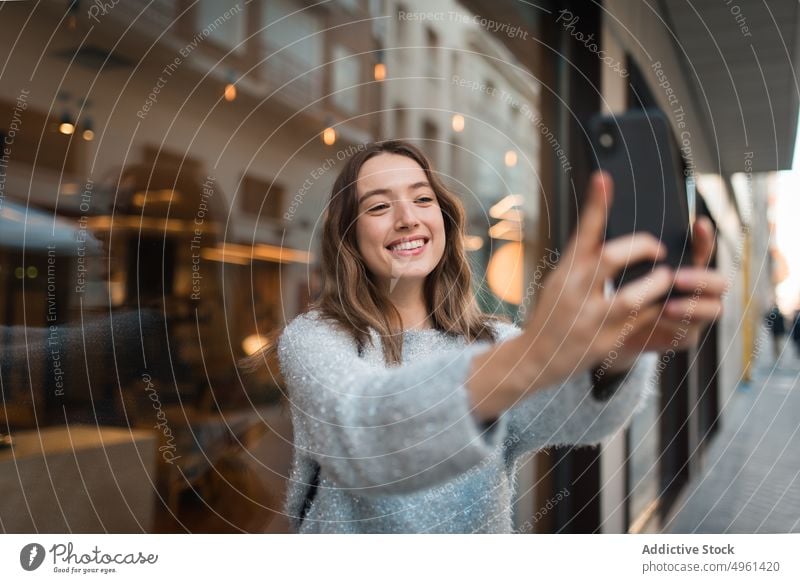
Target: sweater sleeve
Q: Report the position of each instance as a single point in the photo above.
(380, 430)
(568, 413)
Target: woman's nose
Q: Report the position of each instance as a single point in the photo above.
(406, 214)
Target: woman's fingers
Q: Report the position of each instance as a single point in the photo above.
(643, 291)
(591, 228)
(694, 309)
(629, 250)
(639, 329)
(700, 280)
(658, 331)
(703, 242)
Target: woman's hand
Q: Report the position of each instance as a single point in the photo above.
(575, 324)
(683, 319)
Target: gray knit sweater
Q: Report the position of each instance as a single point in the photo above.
(397, 450)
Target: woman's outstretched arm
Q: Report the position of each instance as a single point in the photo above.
(569, 413)
(575, 323)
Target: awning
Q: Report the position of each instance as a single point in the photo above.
(740, 60)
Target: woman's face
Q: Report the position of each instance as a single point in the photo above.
(396, 205)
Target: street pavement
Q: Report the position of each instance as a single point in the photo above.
(750, 482)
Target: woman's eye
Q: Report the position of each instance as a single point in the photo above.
(383, 206)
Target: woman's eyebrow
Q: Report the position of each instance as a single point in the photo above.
(421, 184)
(373, 193)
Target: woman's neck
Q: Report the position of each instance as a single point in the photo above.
(416, 320)
(410, 303)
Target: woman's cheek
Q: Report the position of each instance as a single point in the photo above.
(440, 247)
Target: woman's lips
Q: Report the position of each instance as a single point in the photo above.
(409, 252)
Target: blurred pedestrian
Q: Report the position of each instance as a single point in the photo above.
(776, 326)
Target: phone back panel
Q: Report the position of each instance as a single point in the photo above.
(638, 150)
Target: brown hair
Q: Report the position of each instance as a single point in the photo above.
(350, 297)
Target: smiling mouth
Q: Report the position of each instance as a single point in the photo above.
(407, 249)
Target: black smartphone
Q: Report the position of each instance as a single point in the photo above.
(639, 151)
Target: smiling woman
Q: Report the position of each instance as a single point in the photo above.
(410, 407)
(400, 231)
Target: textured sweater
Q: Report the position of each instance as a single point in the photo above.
(396, 449)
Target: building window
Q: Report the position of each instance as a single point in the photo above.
(430, 135)
(432, 48)
(400, 122)
(514, 119)
(455, 158)
(298, 36)
(345, 80)
(429, 131)
(351, 5)
(223, 21)
(263, 198)
(402, 30)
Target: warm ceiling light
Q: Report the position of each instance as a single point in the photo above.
(458, 123)
(504, 205)
(511, 158)
(164, 195)
(329, 136)
(66, 126)
(258, 252)
(507, 230)
(88, 126)
(70, 188)
(230, 92)
(215, 254)
(380, 71)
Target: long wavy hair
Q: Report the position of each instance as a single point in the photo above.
(350, 296)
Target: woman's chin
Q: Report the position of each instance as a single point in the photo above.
(406, 277)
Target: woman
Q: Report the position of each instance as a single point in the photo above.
(410, 407)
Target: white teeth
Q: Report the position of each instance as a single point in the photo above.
(407, 246)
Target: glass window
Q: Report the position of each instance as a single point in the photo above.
(345, 80)
(223, 21)
(400, 127)
(431, 47)
(299, 35)
(351, 5)
(430, 144)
